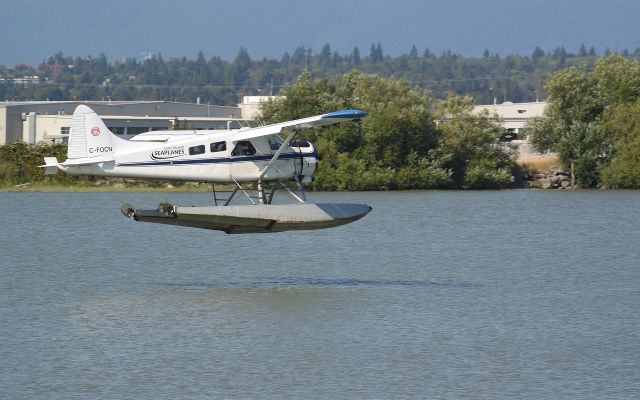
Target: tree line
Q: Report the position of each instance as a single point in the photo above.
(593, 122)
(488, 78)
(413, 140)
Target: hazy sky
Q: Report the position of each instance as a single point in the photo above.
(33, 30)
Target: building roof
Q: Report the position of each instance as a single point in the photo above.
(514, 110)
(143, 108)
(105, 103)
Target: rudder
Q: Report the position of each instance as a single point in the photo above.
(89, 136)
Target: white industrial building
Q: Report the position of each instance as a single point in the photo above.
(514, 115)
(33, 122)
(250, 106)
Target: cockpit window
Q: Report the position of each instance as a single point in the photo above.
(300, 143)
(243, 148)
(218, 146)
(274, 142)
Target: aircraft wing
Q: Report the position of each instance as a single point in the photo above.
(304, 123)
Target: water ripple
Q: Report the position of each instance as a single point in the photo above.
(296, 282)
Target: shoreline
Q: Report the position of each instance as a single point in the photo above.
(39, 188)
(48, 188)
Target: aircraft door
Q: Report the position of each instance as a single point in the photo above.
(243, 157)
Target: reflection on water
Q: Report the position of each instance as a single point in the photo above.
(512, 294)
(300, 282)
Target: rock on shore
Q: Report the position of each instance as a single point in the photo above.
(548, 179)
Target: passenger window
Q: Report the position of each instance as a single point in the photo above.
(196, 150)
(243, 148)
(218, 146)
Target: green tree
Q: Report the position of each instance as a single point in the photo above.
(624, 170)
(468, 146)
(584, 144)
(381, 151)
(587, 121)
(618, 80)
(239, 69)
(303, 99)
(537, 54)
(398, 122)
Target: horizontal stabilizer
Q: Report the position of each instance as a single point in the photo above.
(86, 161)
(51, 165)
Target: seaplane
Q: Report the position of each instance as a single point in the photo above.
(254, 160)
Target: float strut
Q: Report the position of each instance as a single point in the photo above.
(260, 192)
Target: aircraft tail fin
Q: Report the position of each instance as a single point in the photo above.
(90, 137)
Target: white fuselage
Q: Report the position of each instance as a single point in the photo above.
(206, 156)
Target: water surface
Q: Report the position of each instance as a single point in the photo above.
(509, 294)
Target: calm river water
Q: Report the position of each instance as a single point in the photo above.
(460, 295)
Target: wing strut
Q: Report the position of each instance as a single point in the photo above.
(275, 156)
(261, 195)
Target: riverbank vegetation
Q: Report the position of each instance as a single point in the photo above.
(593, 122)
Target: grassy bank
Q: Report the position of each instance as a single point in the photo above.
(542, 162)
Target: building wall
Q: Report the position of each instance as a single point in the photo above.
(250, 105)
(3, 120)
(36, 128)
(46, 127)
(514, 115)
(132, 117)
(13, 125)
(143, 108)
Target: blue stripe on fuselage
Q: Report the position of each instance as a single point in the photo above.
(215, 160)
